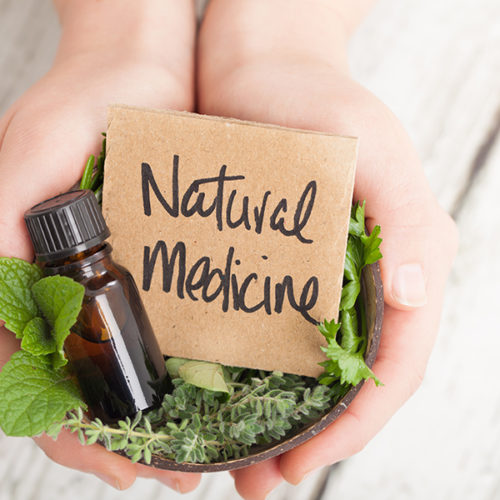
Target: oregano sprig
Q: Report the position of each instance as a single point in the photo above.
(198, 425)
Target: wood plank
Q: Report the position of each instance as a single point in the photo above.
(437, 65)
(445, 442)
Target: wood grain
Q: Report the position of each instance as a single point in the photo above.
(437, 65)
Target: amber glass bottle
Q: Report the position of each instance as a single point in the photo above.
(111, 349)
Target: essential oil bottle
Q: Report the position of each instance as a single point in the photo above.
(111, 349)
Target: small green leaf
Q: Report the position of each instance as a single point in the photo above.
(60, 300)
(371, 244)
(33, 396)
(173, 365)
(86, 180)
(350, 367)
(17, 307)
(37, 338)
(205, 375)
(349, 295)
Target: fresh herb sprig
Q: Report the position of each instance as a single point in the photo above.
(214, 413)
(93, 173)
(35, 388)
(347, 339)
(201, 426)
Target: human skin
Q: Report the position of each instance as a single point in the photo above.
(281, 62)
(145, 59)
(284, 62)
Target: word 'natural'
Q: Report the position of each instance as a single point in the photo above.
(194, 201)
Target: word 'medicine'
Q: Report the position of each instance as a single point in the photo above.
(212, 282)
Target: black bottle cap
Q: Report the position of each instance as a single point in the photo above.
(66, 224)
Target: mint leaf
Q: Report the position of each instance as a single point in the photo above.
(17, 307)
(37, 338)
(60, 300)
(204, 374)
(33, 396)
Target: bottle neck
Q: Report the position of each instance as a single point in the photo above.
(77, 261)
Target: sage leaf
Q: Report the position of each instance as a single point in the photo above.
(204, 374)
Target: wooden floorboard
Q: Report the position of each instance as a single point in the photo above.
(437, 65)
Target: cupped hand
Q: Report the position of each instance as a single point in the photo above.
(271, 80)
(45, 138)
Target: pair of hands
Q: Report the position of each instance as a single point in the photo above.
(284, 63)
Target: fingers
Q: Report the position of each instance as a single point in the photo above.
(111, 468)
(115, 470)
(257, 481)
(182, 482)
(406, 342)
(420, 240)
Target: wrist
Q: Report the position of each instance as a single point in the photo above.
(290, 32)
(159, 32)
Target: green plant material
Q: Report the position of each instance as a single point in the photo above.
(347, 339)
(86, 180)
(93, 172)
(37, 338)
(346, 365)
(202, 426)
(17, 305)
(34, 389)
(33, 395)
(203, 374)
(59, 298)
(173, 365)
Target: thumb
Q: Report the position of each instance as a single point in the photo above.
(39, 158)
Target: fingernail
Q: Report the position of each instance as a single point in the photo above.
(295, 481)
(173, 483)
(112, 481)
(408, 285)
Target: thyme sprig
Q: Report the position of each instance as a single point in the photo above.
(201, 426)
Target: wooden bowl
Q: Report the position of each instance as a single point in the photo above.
(374, 302)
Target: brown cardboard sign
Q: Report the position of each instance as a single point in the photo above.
(235, 233)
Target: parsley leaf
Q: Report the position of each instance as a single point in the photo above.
(346, 339)
(17, 307)
(349, 367)
(33, 395)
(60, 300)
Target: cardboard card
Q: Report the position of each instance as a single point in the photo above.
(235, 233)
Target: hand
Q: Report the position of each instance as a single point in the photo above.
(46, 136)
(286, 65)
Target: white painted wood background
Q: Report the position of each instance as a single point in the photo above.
(437, 65)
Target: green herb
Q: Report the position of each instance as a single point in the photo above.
(214, 413)
(199, 373)
(59, 299)
(33, 395)
(347, 339)
(198, 425)
(93, 173)
(17, 305)
(35, 390)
